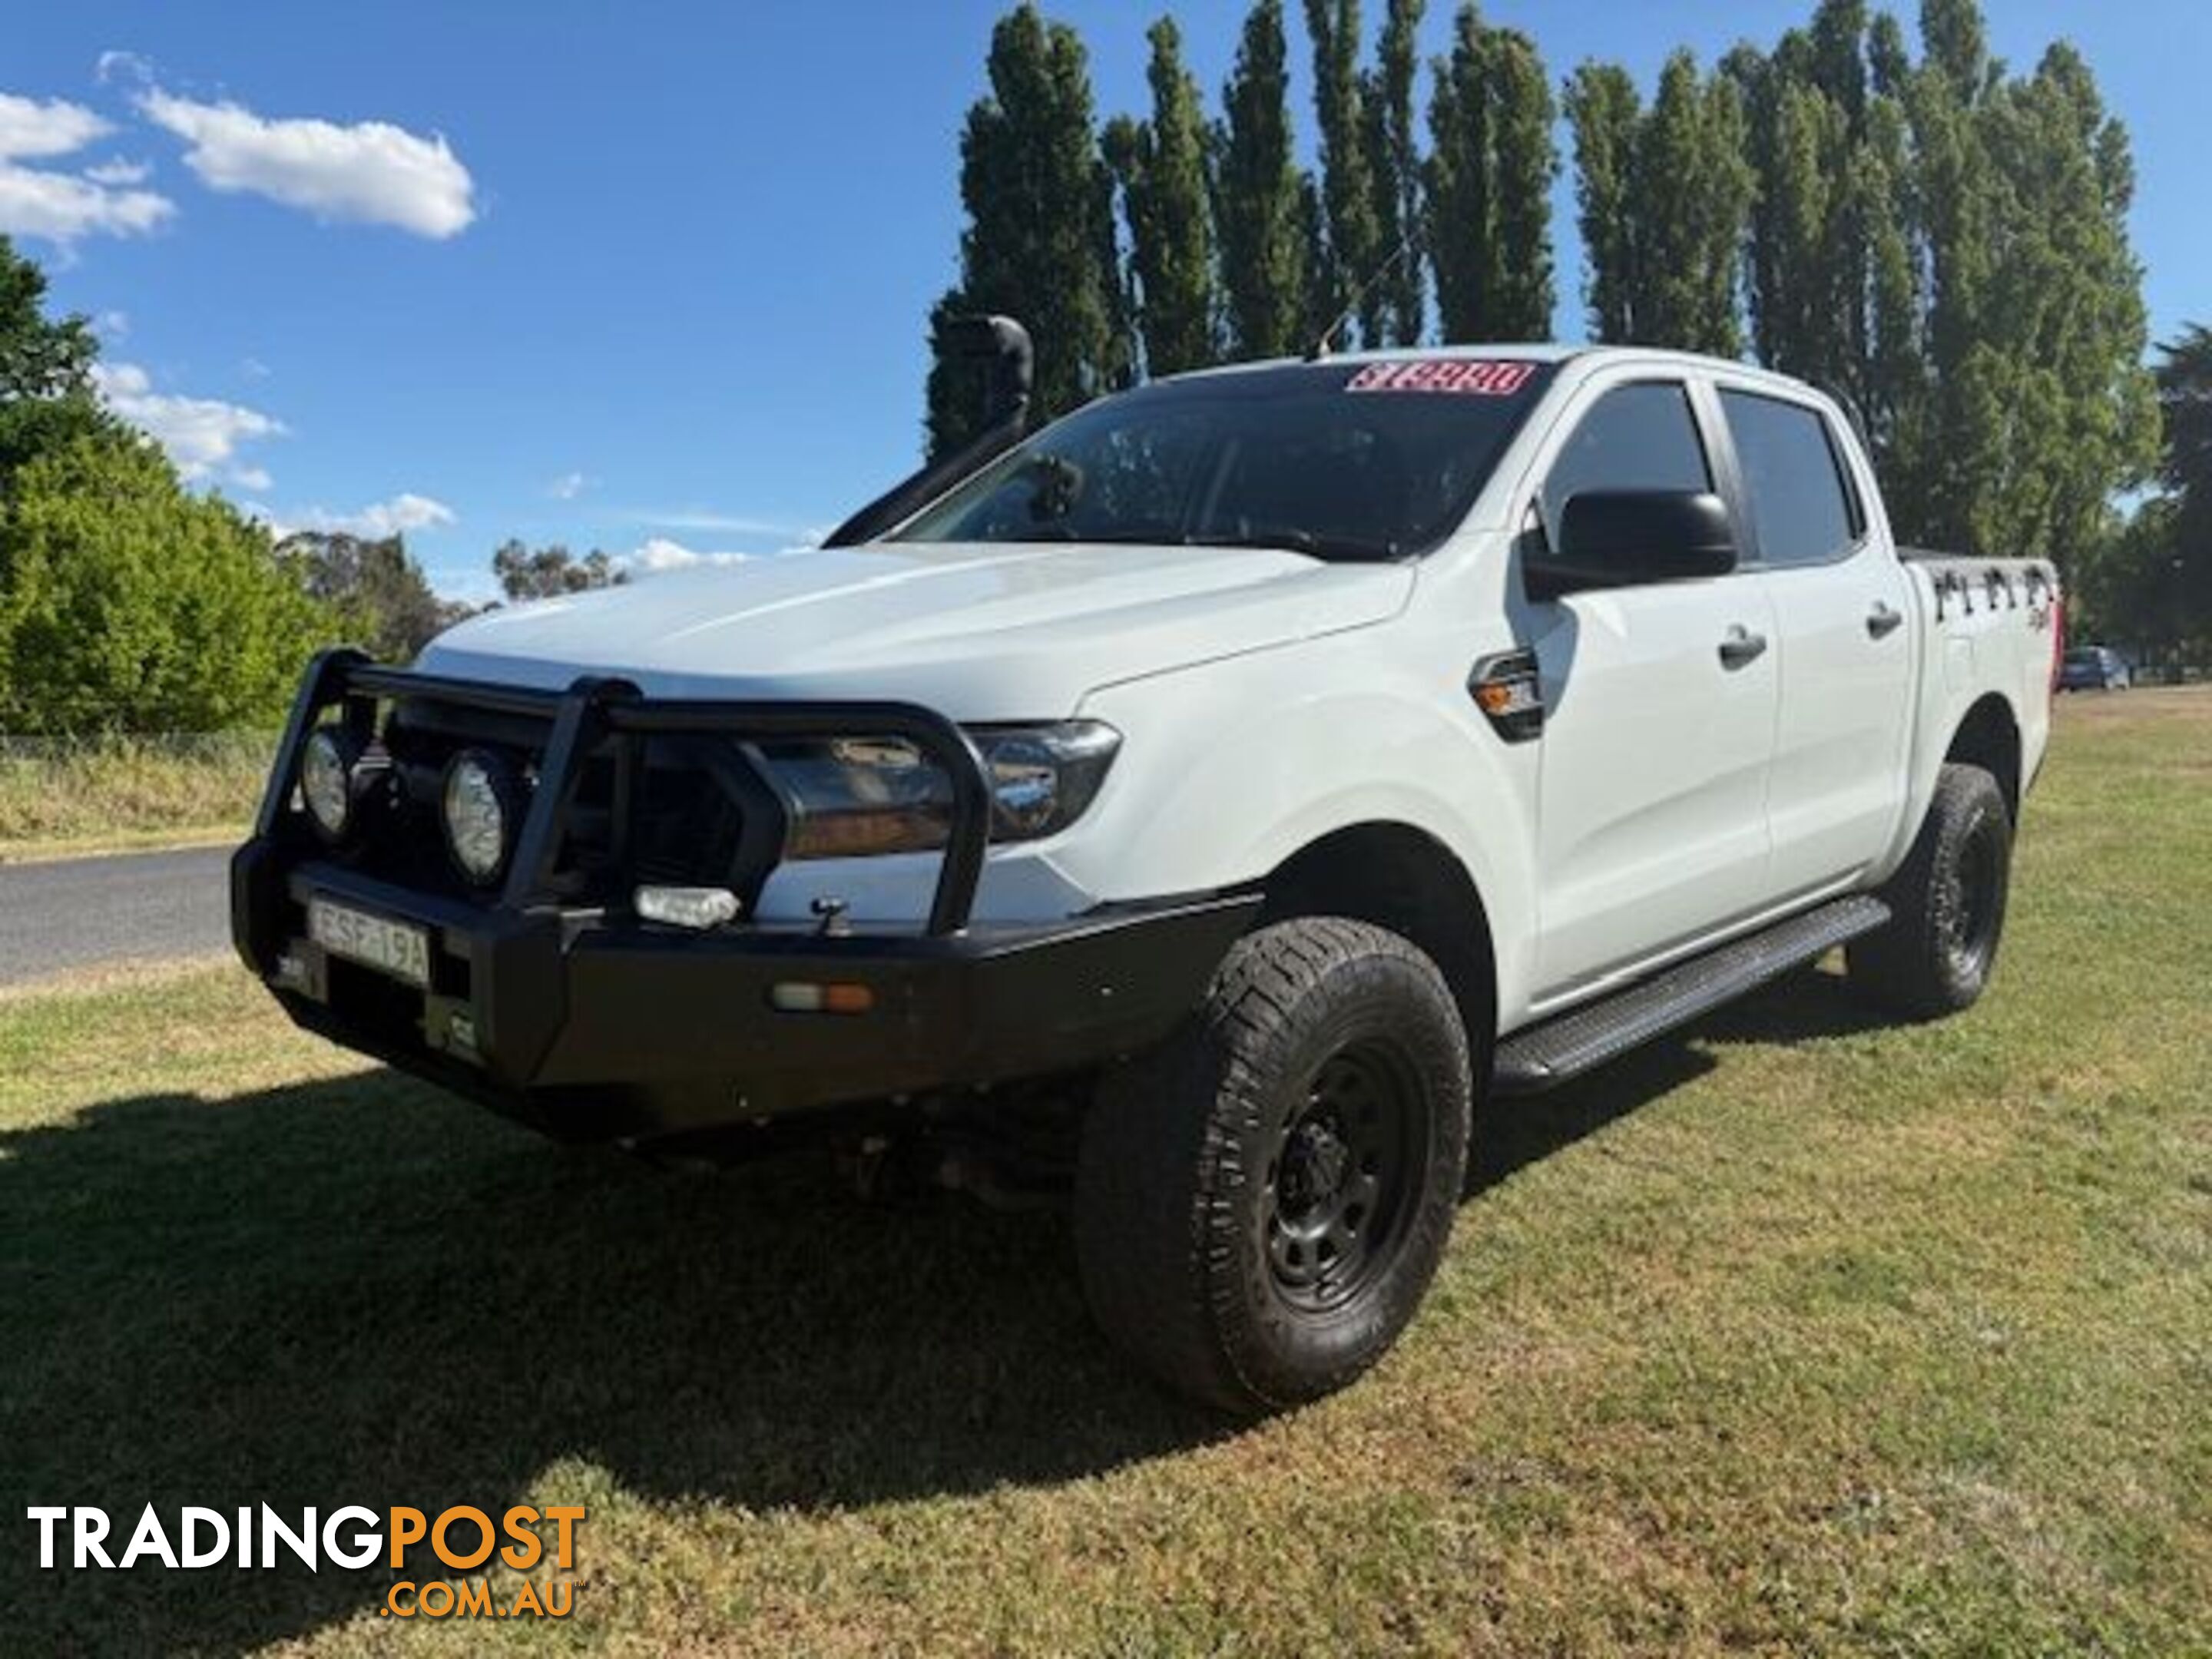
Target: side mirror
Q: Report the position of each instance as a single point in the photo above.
(1631, 537)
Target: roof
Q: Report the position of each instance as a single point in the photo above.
(1525, 352)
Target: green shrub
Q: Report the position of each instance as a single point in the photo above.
(129, 604)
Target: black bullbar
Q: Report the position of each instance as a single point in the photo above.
(589, 1023)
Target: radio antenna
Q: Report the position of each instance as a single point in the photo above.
(1323, 347)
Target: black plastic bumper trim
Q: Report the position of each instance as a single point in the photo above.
(593, 1031)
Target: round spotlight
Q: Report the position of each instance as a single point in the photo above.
(481, 798)
(326, 781)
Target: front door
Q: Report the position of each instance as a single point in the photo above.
(1661, 699)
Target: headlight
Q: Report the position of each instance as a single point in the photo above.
(327, 766)
(1042, 779)
(481, 803)
(854, 797)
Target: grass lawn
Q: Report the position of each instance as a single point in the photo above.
(1797, 1334)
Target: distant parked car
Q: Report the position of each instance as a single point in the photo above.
(2095, 668)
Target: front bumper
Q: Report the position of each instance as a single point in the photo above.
(590, 1024)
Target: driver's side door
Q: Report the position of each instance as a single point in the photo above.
(1660, 731)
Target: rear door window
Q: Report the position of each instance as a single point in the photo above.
(1800, 510)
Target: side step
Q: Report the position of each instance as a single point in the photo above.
(1581, 1039)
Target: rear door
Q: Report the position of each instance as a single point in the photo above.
(1652, 802)
(1843, 647)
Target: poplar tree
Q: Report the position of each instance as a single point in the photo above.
(2185, 395)
(2058, 409)
(1605, 112)
(1256, 212)
(1347, 180)
(1039, 230)
(1161, 167)
(1397, 312)
(1666, 197)
(1692, 198)
(1462, 225)
(1524, 162)
(1490, 173)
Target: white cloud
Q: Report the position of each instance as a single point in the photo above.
(568, 486)
(55, 127)
(59, 206)
(658, 553)
(371, 173)
(113, 325)
(254, 368)
(404, 511)
(118, 172)
(203, 436)
(114, 65)
(726, 523)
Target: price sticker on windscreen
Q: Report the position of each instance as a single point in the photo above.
(1477, 377)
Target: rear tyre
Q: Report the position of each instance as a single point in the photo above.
(1936, 955)
(1260, 1203)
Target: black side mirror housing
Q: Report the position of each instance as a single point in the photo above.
(1632, 537)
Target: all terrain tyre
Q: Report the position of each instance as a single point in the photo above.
(1260, 1203)
(1936, 955)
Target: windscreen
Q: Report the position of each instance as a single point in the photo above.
(1341, 461)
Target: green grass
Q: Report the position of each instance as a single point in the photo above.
(1800, 1334)
(72, 796)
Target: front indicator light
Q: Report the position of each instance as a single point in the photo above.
(1509, 688)
(806, 997)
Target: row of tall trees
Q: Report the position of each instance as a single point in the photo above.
(1940, 241)
(1165, 241)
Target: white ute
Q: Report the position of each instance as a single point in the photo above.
(1204, 804)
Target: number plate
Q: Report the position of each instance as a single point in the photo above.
(391, 947)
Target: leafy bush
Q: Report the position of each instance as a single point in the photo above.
(128, 603)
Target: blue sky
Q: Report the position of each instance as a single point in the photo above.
(655, 275)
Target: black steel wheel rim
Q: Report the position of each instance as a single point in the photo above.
(1342, 1178)
(1977, 894)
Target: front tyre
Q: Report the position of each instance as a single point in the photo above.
(1936, 956)
(1260, 1203)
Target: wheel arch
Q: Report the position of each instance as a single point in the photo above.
(1398, 875)
(1988, 736)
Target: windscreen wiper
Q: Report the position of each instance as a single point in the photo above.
(1288, 539)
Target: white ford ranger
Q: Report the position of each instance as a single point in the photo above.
(1213, 799)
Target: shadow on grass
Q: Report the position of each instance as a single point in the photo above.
(360, 1292)
(357, 1291)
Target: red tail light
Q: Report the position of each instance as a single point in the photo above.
(2057, 637)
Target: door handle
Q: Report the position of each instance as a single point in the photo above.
(1741, 647)
(1881, 621)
